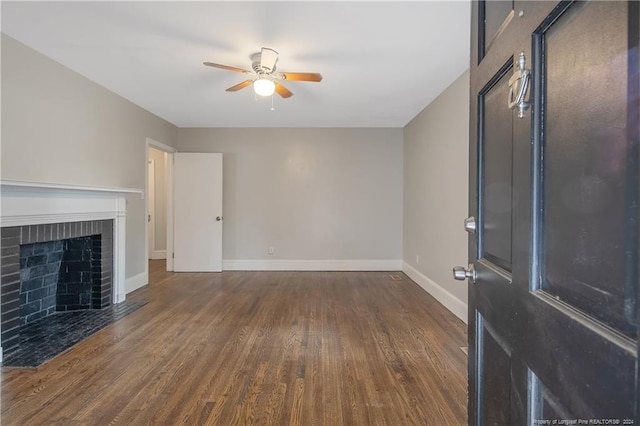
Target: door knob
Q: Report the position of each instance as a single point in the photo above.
(219, 218)
(461, 274)
(470, 225)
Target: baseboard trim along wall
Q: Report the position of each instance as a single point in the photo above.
(135, 282)
(452, 303)
(311, 265)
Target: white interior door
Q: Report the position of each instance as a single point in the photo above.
(197, 218)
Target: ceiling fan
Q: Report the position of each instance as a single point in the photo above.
(264, 77)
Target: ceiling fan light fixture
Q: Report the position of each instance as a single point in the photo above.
(264, 87)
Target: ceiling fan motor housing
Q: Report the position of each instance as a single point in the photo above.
(264, 62)
(260, 70)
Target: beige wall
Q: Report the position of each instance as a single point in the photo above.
(60, 127)
(160, 205)
(435, 193)
(312, 194)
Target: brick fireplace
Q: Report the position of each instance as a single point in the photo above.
(62, 248)
(53, 267)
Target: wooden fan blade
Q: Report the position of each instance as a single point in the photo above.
(226, 67)
(301, 76)
(239, 86)
(283, 91)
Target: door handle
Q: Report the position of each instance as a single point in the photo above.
(519, 84)
(218, 218)
(461, 274)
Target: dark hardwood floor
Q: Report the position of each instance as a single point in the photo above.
(299, 348)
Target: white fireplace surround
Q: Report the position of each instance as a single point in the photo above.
(34, 203)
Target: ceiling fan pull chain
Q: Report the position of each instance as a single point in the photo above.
(272, 108)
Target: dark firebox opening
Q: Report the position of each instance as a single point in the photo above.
(61, 275)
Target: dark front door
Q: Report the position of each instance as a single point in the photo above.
(554, 192)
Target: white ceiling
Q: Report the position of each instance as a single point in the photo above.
(382, 62)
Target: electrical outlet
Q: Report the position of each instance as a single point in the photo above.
(271, 250)
(417, 259)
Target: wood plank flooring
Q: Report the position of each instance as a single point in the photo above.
(280, 348)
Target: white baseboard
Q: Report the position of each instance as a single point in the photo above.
(135, 282)
(311, 265)
(158, 254)
(0, 354)
(452, 303)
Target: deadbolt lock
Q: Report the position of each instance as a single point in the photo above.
(470, 225)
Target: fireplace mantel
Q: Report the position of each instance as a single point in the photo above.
(30, 185)
(36, 203)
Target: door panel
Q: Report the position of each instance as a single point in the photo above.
(496, 383)
(197, 207)
(585, 165)
(552, 309)
(496, 15)
(550, 407)
(496, 178)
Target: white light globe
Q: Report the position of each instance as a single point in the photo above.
(264, 87)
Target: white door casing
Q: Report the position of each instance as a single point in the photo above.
(168, 165)
(151, 201)
(197, 212)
